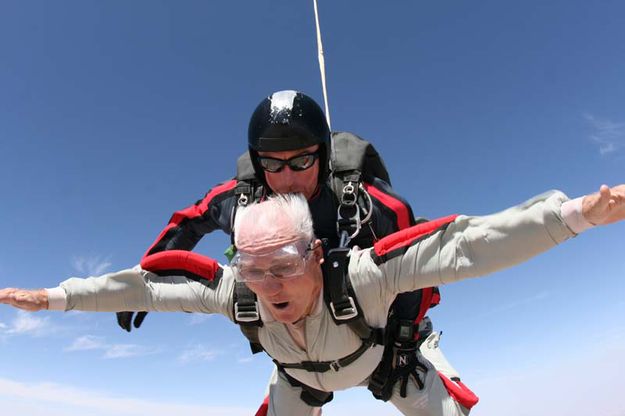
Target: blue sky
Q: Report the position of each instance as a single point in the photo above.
(114, 114)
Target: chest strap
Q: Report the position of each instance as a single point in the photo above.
(336, 365)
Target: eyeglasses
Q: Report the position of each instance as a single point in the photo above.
(286, 263)
(296, 163)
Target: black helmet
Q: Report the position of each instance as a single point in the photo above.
(288, 120)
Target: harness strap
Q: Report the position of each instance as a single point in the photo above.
(335, 365)
(341, 304)
(309, 395)
(247, 315)
(340, 298)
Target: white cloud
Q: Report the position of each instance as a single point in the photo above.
(197, 353)
(87, 342)
(128, 350)
(25, 323)
(608, 135)
(111, 351)
(91, 265)
(52, 399)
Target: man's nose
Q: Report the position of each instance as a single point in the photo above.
(271, 285)
(288, 171)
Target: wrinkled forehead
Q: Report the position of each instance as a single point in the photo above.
(265, 231)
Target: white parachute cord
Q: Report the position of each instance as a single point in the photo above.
(322, 65)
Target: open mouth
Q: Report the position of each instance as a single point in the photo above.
(280, 305)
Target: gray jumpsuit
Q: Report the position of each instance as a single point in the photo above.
(467, 247)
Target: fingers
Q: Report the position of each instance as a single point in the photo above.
(603, 200)
(606, 206)
(617, 195)
(417, 379)
(139, 319)
(6, 295)
(124, 320)
(614, 195)
(604, 192)
(403, 386)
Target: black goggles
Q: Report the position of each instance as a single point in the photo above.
(296, 163)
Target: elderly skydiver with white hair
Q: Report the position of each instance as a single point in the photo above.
(282, 262)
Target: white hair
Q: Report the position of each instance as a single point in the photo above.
(292, 208)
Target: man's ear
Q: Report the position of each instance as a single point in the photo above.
(318, 251)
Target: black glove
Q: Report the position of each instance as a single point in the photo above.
(407, 366)
(124, 320)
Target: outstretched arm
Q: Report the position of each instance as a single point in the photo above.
(132, 289)
(461, 247)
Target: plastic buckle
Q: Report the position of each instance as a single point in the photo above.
(346, 313)
(405, 331)
(246, 313)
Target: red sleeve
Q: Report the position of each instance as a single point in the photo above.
(186, 263)
(187, 226)
(397, 243)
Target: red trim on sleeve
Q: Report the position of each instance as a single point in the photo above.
(405, 237)
(194, 211)
(426, 303)
(436, 297)
(181, 260)
(264, 408)
(397, 206)
(460, 393)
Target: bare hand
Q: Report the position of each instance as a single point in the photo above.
(29, 300)
(606, 206)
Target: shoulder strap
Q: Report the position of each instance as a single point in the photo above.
(245, 304)
(247, 315)
(245, 169)
(340, 298)
(247, 189)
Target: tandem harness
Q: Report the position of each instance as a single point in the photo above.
(352, 160)
(340, 300)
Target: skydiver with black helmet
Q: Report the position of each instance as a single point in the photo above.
(291, 150)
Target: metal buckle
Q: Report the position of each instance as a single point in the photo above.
(246, 316)
(243, 200)
(335, 365)
(354, 220)
(352, 311)
(349, 194)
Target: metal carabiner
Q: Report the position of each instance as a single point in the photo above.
(355, 221)
(349, 195)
